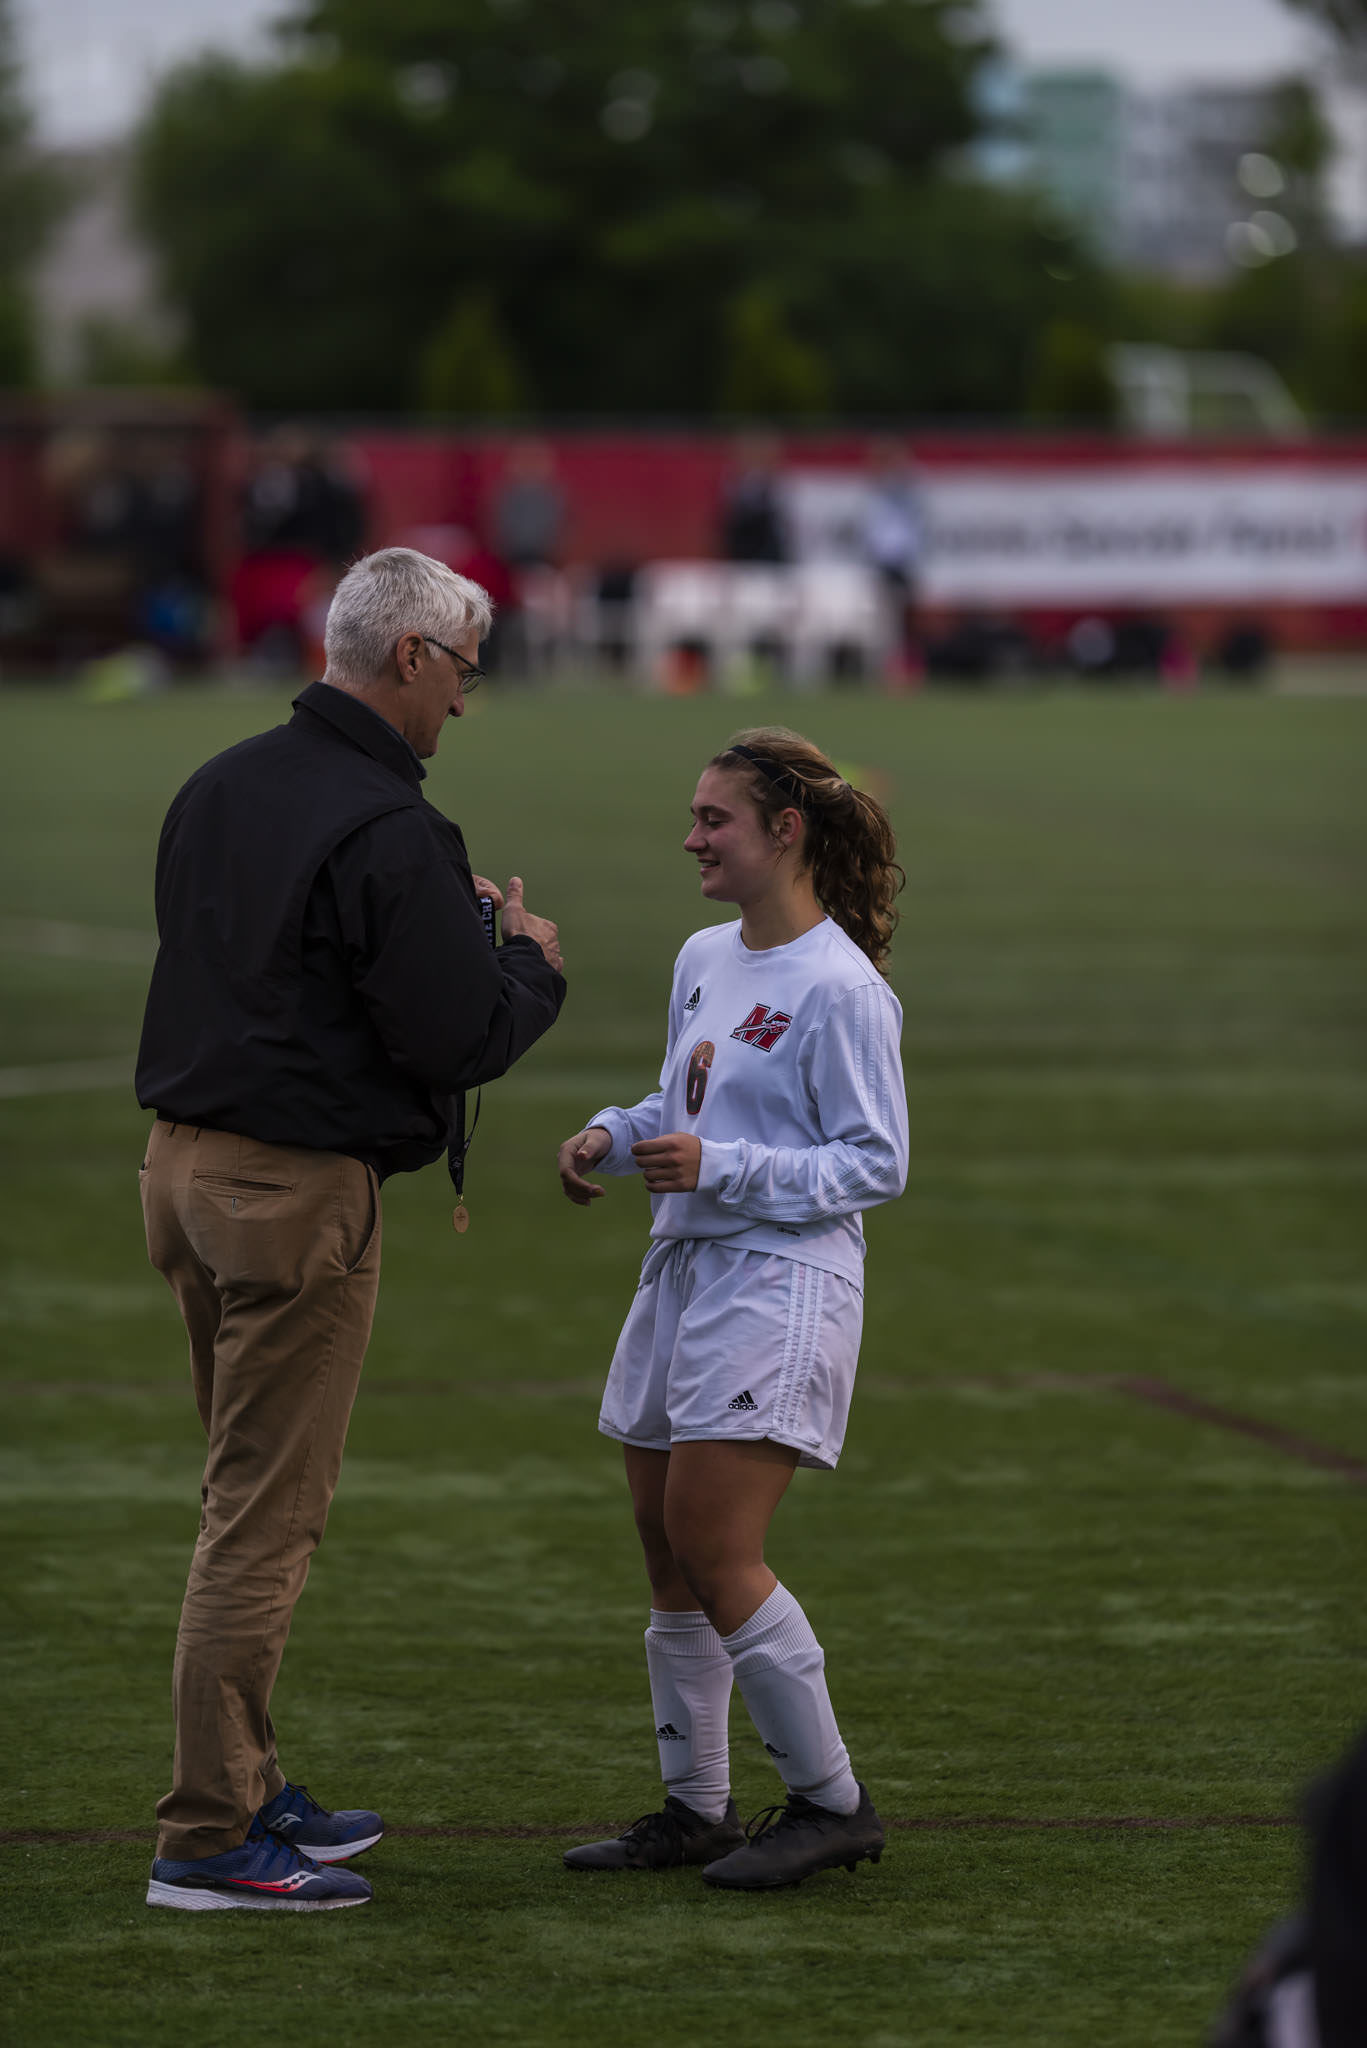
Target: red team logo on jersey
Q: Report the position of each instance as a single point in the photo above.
(763, 1027)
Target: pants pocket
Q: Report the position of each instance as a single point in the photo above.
(360, 1240)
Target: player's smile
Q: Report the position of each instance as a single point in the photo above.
(735, 854)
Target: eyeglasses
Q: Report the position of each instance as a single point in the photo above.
(470, 676)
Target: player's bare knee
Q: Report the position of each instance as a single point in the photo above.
(706, 1575)
(661, 1568)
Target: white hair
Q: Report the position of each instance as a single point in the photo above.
(393, 592)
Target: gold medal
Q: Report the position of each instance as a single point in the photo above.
(460, 1219)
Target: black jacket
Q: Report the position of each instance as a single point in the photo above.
(323, 978)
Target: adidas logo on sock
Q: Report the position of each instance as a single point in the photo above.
(669, 1733)
(745, 1402)
(777, 1754)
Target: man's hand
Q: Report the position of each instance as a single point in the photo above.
(670, 1164)
(484, 887)
(574, 1159)
(518, 923)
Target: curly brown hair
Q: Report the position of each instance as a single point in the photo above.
(849, 845)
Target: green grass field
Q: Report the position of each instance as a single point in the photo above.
(1086, 1642)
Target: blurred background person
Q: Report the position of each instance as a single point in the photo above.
(527, 528)
(753, 525)
(303, 519)
(894, 538)
(529, 508)
(171, 597)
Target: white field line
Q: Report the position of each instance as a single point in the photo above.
(68, 1077)
(61, 941)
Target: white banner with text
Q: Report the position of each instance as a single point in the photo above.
(1254, 534)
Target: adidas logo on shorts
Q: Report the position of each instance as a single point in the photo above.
(745, 1403)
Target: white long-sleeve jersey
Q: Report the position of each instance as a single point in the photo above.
(786, 1065)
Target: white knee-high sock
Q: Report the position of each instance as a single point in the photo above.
(690, 1689)
(781, 1672)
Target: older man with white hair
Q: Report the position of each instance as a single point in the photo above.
(324, 993)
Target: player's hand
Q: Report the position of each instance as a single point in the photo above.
(484, 887)
(576, 1157)
(518, 923)
(670, 1164)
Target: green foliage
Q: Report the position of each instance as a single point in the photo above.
(932, 301)
(115, 351)
(661, 209)
(31, 200)
(18, 355)
(1345, 20)
(281, 230)
(468, 366)
(1070, 381)
(1341, 358)
(1161, 309)
(1299, 136)
(765, 368)
(1304, 314)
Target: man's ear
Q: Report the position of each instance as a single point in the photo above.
(408, 656)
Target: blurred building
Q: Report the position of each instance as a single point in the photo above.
(98, 303)
(1179, 182)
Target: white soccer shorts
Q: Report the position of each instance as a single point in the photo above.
(728, 1345)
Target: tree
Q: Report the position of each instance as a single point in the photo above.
(1070, 383)
(766, 369)
(670, 208)
(30, 200)
(469, 366)
(1345, 20)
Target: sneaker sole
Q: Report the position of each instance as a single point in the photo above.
(332, 1852)
(204, 1901)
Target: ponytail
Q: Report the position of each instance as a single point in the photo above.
(849, 844)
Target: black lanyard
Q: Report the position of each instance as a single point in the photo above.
(460, 1144)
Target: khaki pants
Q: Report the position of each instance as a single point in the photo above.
(273, 1254)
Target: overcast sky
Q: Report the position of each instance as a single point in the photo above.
(89, 62)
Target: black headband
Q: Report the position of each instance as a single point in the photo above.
(775, 774)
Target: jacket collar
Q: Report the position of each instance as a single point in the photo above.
(363, 727)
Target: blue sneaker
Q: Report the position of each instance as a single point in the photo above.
(326, 1837)
(264, 1875)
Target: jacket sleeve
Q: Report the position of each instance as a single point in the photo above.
(854, 1074)
(449, 1010)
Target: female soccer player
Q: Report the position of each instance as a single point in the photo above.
(780, 1116)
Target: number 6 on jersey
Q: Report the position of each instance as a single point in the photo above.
(700, 1059)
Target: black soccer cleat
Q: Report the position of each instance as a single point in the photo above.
(803, 1839)
(662, 1841)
